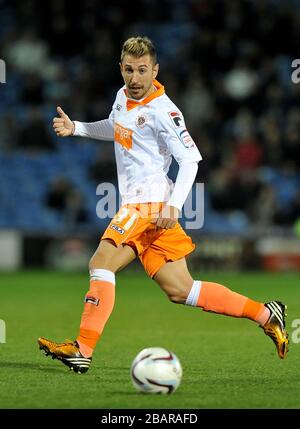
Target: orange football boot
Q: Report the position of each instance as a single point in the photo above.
(68, 353)
(275, 327)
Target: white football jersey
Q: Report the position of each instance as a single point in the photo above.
(147, 133)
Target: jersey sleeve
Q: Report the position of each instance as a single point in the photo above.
(184, 182)
(100, 130)
(172, 130)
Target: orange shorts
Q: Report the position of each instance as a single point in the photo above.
(132, 226)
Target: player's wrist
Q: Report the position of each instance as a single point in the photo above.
(73, 128)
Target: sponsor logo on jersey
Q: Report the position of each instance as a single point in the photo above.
(118, 229)
(176, 118)
(91, 300)
(186, 139)
(123, 136)
(141, 120)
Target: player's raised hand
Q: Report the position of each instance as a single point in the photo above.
(62, 125)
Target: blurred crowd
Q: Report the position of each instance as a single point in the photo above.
(226, 64)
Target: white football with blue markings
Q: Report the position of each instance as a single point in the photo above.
(156, 370)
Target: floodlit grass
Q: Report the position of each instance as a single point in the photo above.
(227, 362)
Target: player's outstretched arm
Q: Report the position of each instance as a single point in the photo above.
(100, 130)
(62, 125)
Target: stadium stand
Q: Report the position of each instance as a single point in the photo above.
(224, 63)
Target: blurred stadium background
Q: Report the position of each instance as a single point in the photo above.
(226, 64)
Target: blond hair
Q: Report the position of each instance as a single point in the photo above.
(138, 47)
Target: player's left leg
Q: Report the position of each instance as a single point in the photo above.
(176, 281)
(98, 305)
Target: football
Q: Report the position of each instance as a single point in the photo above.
(156, 370)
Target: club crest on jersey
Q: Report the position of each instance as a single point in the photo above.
(176, 118)
(141, 120)
(119, 107)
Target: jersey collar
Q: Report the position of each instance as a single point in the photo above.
(160, 90)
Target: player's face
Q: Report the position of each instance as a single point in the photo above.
(138, 74)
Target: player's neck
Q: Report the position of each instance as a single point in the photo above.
(151, 90)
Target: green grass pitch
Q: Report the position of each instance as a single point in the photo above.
(227, 362)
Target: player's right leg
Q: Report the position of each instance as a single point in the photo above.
(98, 305)
(164, 261)
(176, 281)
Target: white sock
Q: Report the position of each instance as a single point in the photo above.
(194, 293)
(104, 275)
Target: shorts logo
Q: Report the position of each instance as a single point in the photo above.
(141, 120)
(186, 139)
(118, 229)
(176, 118)
(91, 300)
